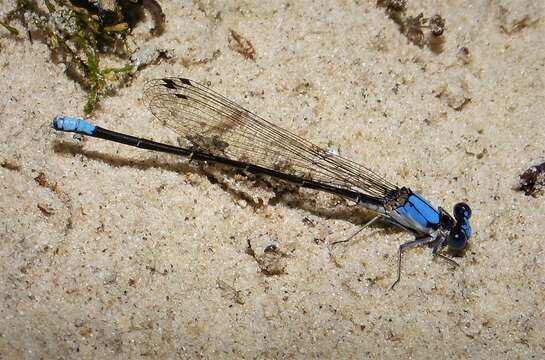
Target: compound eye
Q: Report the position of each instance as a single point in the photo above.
(462, 211)
(457, 241)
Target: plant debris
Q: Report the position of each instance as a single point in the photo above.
(46, 210)
(242, 45)
(455, 94)
(10, 166)
(511, 23)
(230, 292)
(9, 28)
(413, 26)
(271, 260)
(532, 181)
(464, 55)
(147, 56)
(79, 32)
(41, 179)
(393, 5)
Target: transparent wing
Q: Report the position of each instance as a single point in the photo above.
(209, 122)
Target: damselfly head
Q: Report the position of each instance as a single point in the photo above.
(461, 232)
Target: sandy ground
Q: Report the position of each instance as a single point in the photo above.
(113, 252)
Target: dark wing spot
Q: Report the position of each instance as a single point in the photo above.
(169, 83)
(181, 96)
(185, 81)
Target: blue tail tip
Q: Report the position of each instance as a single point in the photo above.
(73, 124)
